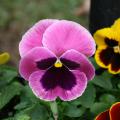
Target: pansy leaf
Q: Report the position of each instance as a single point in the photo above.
(103, 80)
(50, 119)
(7, 93)
(73, 111)
(99, 107)
(21, 105)
(39, 113)
(88, 97)
(23, 117)
(7, 74)
(118, 85)
(34, 111)
(108, 98)
(26, 111)
(76, 102)
(27, 95)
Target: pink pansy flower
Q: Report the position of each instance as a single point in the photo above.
(53, 59)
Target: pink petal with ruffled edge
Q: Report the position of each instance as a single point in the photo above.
(77, 90)
(28, 63)
(65, 35)
(85, 65)
(33, 37)
(51, 95)
(37, 88)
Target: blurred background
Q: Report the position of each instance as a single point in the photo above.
(16, 16)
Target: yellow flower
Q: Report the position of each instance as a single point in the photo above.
(4, 57)
(108, 52)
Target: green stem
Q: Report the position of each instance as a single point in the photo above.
(54, 109)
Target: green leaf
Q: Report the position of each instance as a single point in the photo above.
(119, 85)
(21, 105)
(22, 117)
(27, 110)
(76, 102)
(50, 119)
(103, 81)
(108, 98)
(7, 74)
(28, 96)
(34, 112)
(99, 107)
(7, 93)
(73, 111)
(88, 97)
(39, 113)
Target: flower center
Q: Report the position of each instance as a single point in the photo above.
(117, 49)
(58, 64)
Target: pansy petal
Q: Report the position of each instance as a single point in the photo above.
(29, 63)
(76, 91)
(4, 57)
(58, 77)
(84, 64)
(101, 35)
(33, 37)
(65, 35)
(114, 67)
(111, 42)
(103, 56)
(103, 116)
(54, 90)
(38, 89)
(115, 111)
(116, 25)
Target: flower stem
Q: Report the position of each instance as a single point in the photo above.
(54, 109)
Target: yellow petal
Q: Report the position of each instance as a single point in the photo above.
(112, 71)
(101, 34)
(4, 57)
(116, 25)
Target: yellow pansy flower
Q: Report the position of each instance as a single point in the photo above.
(4, 57)
(108, 52)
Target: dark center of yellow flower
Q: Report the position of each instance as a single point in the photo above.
(117, 49)
(112, 43)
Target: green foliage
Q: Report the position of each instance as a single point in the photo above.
(108, 98)
(88, 97)
(99, 107)
(7, 74)
(103, 80)
(7, 89)
(7, 93)
(39, 113)
(73, 111)
(23, 117)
